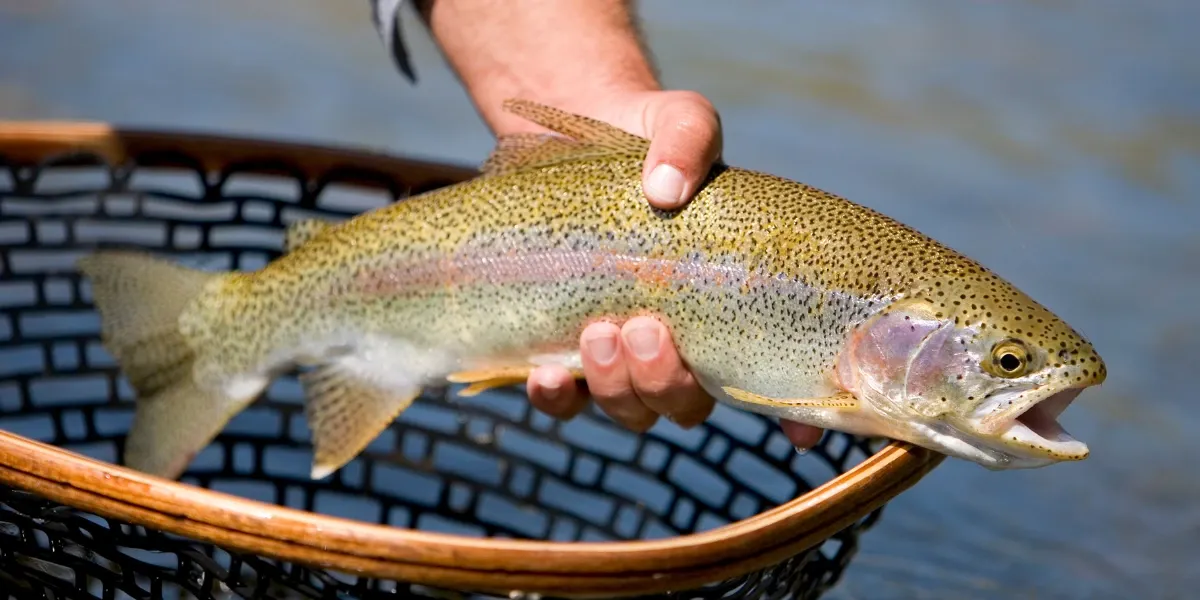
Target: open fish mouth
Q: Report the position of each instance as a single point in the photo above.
(1035, 431)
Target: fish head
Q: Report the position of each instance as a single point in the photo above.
(978, 374)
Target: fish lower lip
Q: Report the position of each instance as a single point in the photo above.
(1037, 429)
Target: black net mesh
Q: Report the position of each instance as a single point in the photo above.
(486, 466)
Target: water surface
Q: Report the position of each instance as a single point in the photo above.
(1057, 142)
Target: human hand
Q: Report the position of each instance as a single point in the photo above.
(634, 371)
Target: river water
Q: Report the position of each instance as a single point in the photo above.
(1056, 142)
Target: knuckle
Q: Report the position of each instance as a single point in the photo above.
(628, 411)
(687, 110)
(640, 422)
(565, 404)
(657, 388)
(565, 411)
(688, 128)
(695, 410)
(680, 401)
(694, 101)
(610, 393)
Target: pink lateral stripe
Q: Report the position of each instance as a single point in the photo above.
(549, 266)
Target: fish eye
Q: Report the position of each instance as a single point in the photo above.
(1009, 362)
(1010, 358)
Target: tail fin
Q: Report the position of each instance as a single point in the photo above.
(140, 299)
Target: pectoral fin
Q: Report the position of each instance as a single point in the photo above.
(838, 401)
(482, 380)
(346, 412)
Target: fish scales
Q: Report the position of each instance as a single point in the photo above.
(782, 298)
(468, 271)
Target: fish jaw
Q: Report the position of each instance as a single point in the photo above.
(1027, 433)
(1022, 421)
(1025, 436)
(1030, 439)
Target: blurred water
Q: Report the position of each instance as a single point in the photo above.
(1057, 142)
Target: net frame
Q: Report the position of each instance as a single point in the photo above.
(66, 518)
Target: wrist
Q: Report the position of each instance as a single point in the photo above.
(572, 55)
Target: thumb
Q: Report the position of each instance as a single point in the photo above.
(685, 139)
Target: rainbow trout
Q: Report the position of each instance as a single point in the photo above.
(783, 300)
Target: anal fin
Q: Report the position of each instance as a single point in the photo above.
(346, 411)
(838, 401)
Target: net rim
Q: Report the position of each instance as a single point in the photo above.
(576, 569)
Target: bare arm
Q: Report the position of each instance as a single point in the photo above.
(560, 53)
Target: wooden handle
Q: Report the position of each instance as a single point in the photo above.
(575, 569)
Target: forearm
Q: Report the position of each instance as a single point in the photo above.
(557, 52)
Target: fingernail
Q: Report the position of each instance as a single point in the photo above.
(801, 451)
(643, 340)
(549, 387)
(665, 185)
(603, 348)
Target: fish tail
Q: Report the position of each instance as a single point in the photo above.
(150, 326)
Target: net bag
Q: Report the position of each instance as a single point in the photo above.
(479, 497)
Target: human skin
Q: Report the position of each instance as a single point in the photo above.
(588, 58)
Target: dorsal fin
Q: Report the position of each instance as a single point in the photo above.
(580, 128)
(576, 137)
(524, 150)
(300, 232)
